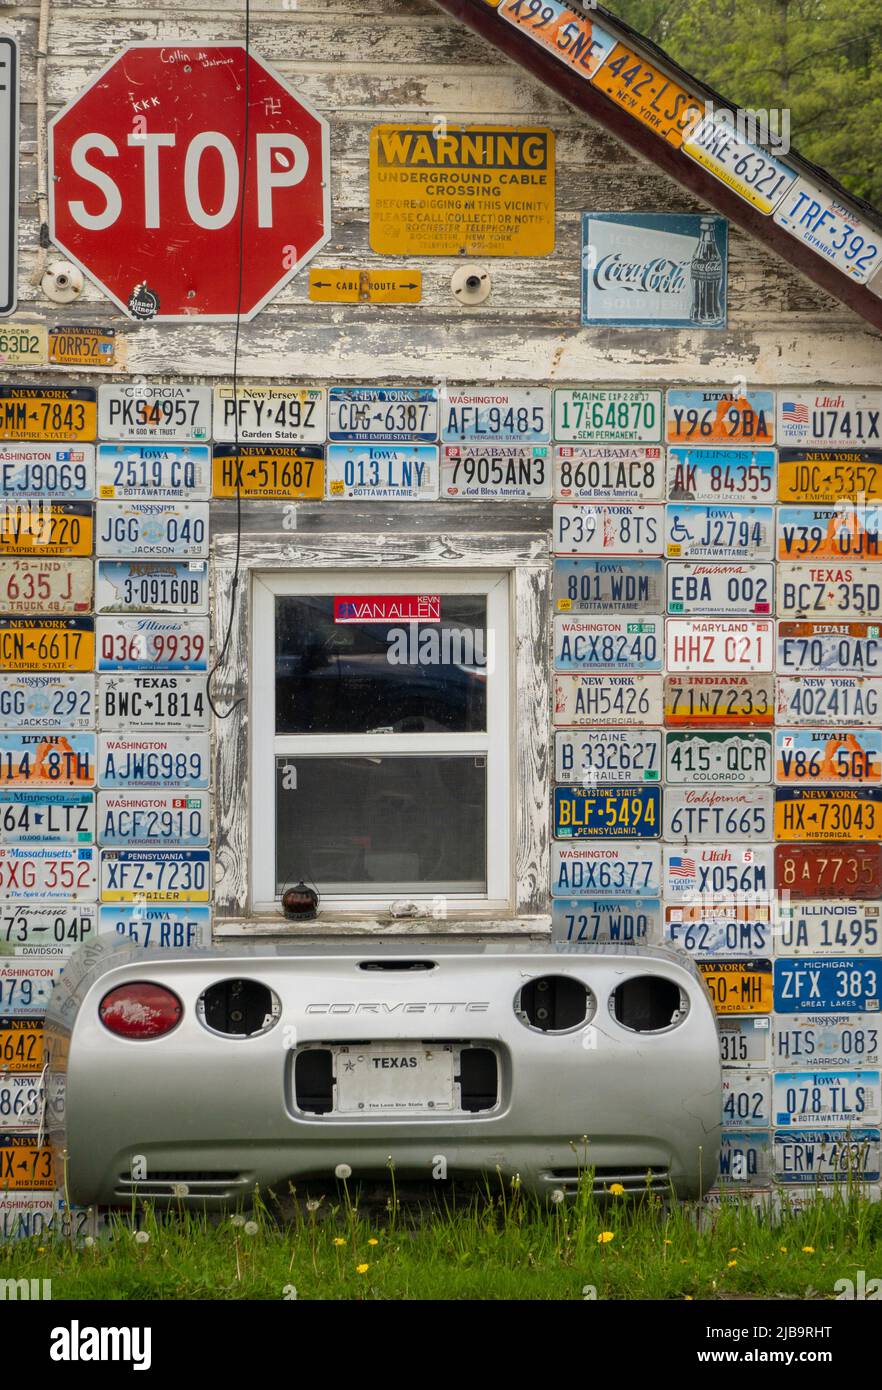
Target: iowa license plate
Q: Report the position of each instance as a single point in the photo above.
(52, 872)
(848, 813)
(45, 413)
(171, 927)
(831, 649)
(583, 922)
(621, 813)
(720, 871)
(819, 1156)
(720, 417)
(163, 819)
(724, 701)
(718, 814)
(827, 1040)
(830, 476)
(62, 471)
(152, 644)
(46, 528)
(372, 473)
(594, 529)
(53, 817)
(695, 757)
(835, 591)
(612, 644)
(840, 870)
(831, 925)
(493, 415)
(181, 471)
(166, 701)
(25, 987)
(146, 413)
(720, 645)
(745, 1042)
(155, 876)
(47, 644)
(586, 416)
(606, 867)
(47, 760)
(830, 420)
(21, 1044)
(270, 474)
(495, 471)
(604, 586)
(609, 472)
(162, 586)
(838, 700)
(824, 984)
(747, 1099)
(34, 929)
(151, 528)
(721, 475)
(270, 414)
(47, 702)
(739, 986)
(25, 1164)
(820, 757)
(719, 533)
(610, 699)
(705, 590)
(153, 760)
(826, 1098)
(608, 755)
(46, 586)
(721, 932)
(829, 533)
(380, 414)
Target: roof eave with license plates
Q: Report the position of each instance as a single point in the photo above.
(486, 17)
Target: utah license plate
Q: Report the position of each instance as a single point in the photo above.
(47, 760)
(829, 649)
(720, 417)
(830, 420)
(718, 871)
(721, 932)
(820, 757)
(829, 533)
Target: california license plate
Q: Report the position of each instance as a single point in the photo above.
(820, 757)
(819, 1156)
(181, 471)
(495, 471)
(705, 590)
(613, 644)
(46, 528)
(845, 871)
(44, 413)
(733, 930)
(21, 1045)
(25, 1163)
(719, 533)
(751, 172)
(62, 471)
(139, 412)
(166, 701)
(34, 929)
(47, 760)
(52, 817)
(724, 701)
(739, 986)
(829, 534)
(582, 700)
(164, 819)
(394, 1078)
(47, 702)
(830, 476)
(594, 529)
(608, 755)
(380, 414)
(606, 867)
(830, 420)
(745, 1042)
(694, 757)
(25, 988)
(374, 473)
(153, 760)
(826, 1098)
(835, 591)
(584, 921)
(838, 700)
(620, 813)
(171, 927)
(496, 415)
(609, 472)
(848, 813)
(151, 529)
(46, 586)
(720, 645)
(152, 644)
(720, 417)
(155, 876)
(273, 474)
(270, 414)
(721, 475)
(162, 586)
(604, 586)
(747, 1099)
(586, 416)
(53, 872)
(830, 229)
(833, 925)
(829, 648)
(720, 871)
(718, 814)
(825, 984)
(827, 1040)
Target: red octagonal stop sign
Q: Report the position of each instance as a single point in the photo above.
(148, 176)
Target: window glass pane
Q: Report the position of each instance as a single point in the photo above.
(388, 677)
(375, 824)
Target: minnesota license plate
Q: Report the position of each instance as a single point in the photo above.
(586, 416)
(584, 921)
(614, 700)
(162, 586)
(751, 172)
(47, 760)
(745, 1156)
(720, 645)
(848, 813)
(747, 1099)
(704, 590)
(830, 420)
(808, 928)
(593, 529)
(47, 702)
(153, 760)
(826, 1098)
(46, 528)
(620, 813)
(572, 36)
(173, 927)
(494, 415)
(34, 929)
(63, 471)
(604, 586)
(830, 229)
(25, 989)
(609, 472)
(151, 528)
(739, 986)
(270, 414)
(728, 700)
(57, 873)
(46, 586)
(152, 644)
(612, 644)
(745, 1042)
(829, 591)
(694, 757)
(138, 412)
(608, 755)
(378, 414)
(495, 471)
(52, 817)
(46, 413)
(372, 473)
(606, 867)
(722, 932)
(292, 474)
(819, 1156)
(827, 1040)
(820, 757)
(824, 984)
(720, 417)
(718, 814)
(719, 533)
(721, 475)
(841, 533)
(648, 94)
(830, 649)
(718, 871)
(127, 702)
(21, 1045)
(840, 700)
(148, 819)
(155, 876)
(845, 871)
(181, 471)
(25, 1164)
(829, 476)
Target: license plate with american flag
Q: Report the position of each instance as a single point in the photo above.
(833, 419)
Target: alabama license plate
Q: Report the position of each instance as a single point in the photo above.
(745, 1156)
(62, 471)
(179, 820)
(720, 645)
(270, 414)
(718, 814)
(825, 984)
(582, 700)
(747, 1099)
(839, 700)
(585, 528)
(47, 702)
(43, 528)
(612, 644)
(848, 813)
(25, 1164)
(829, 229)
(694, 757)
(495, 415)
(174, 471)
(45, 586)
(830, 649)
(820, 1156)
(830, 420)
(584, 921)
(827, 1040)
(745, 1042)
(620, 813)
(750, 171)
(826, 1097)
(834, 477)
(719, 533)
(172, 927)
(494, 472)
(721, 475)
(264, 473)
(720, 417)
(51, 817)
(25, 988)
(375, 473)
(608, 586)
(21, 1045)
(829, 591)
(739, 986)
(394, 1078)
(586, 416)
(45, 413)
(35, 929)
(162, 586)
(830, 534)
(378, 414)
(842, 927)
(845, 871)
(47, 760)
(733, 930)
(609, 472)
(53, 872)
(725, 701)
(820, 757)
(608, 755)
(166, 701)
(153, 760)
(152, 644)
(155, 876)
(606, 867)
(709, 589)
(139, 412)
(151, 529)
(718, 871)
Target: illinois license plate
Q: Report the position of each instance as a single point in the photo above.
(724, 871)
(494, 415)
(751, 172)
(728, 700)
(572, 36)
(720, 417)
(47, 702)
(52, 817)
(46, 528)
(292, 474)
(495, 471)
(819, 1156)
(151, 528)
(46, 586)
(606, 867)
(828, 700)
(155, 876)
(830, 420)
(826, 1097)
(270, 414)
(620, 813)
(721, 475)
(745, 1156)
(153, 760)
(819, 757)
(747, 1099)
(372, 473)
(594, 529)
(702, 590)
(21, 1044)
(845, 871)
(604, 586)
(830, 649)
(166, 701)
(139, 412)
(848, 813)
(721, 932)
(163, 586)
(613, 644)
(47, 759)
(32, 929)
(25, 1164)
(611, 699)
(609, 472)
(181, 471)
(378, 414)
(63, 471)
(584, 921)
(830, 229)
(608, 755)
(719, 645)
(824, 984)
(693, 757)
(25, 988)
(739, 986)
(829, 533)
(830, 476)
(717, 814)
(827, 1040)
(52, 872)
(836, 591)
(831, 925)
(45, 413)
(152, 644)
(719, 533)
(648, 94)
(172, 927)
(148, 819)
(586, 416)
(745, 1042)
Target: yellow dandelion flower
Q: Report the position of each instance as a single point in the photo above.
(373, 1241)
(732, 1249)
(362, 1269)
(605, 1237)
(731, 1264)
(808, 1249)
(339, 1240)
(783, 1249)
(617, 1190)
(687, 1298)
(41, 1250)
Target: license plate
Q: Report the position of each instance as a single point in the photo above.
(830, 649)
(46, 528)
(830, 230)
(154, 819)
(707, 589)
(23, 344)
(620, 813)
(573, 37)
(171, 586)
(155, 876)
(718, 815)
(47, 760)
(593, 529)
(745, 1157)
(25, 1165)
(719, 645)
(181, 471)
(601, 586)
(693, 757)
(493, 415)
(830, 700)
(82, 347)
(61, 471)
(609, 472)
(825, 1040)
(829, 420)
(494, 471)
(721, 475)
(818, 1156)
(31, 929)
(632, 871)
(44, 413)
(270, 474)
(25, 989)
(153, 760)
(823, 984)
(168, 927)
(727, 700)
(21, 1044)
(819, 757)
(722, 932)
(394, 1078)
(151, 528)
(270, 414)
(374, 414)
(846, 871)
(582, 921)
(58, 818)
(22, 1101)
(739, 986)
(834, 591)
(46, 586)
(719, 533)
(751, 172)
(56, 873)
(840, 478)
(745, 1042)
(608, 755)
(139, 412)
(804, 813)
(647, 94)
(23, 1217)
(152, 644)
(841, 533)
(616, 644)
(583, 700)
(826, 1097)
(723, 871)
(720, 417)
(47, 702)
(585, 416)
(403, 473)
(152, 702)
(841, 927)
(747, 1100)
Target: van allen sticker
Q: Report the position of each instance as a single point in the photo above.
(821, 813)
(586, 528)
(606, 868)
(729, 474)
(720, 417)
(270, 415)
(835, 870)
(62, 471)
(654, 270)
(47, 760)
(739, 986)
(583, 415)
(160, 586)
(294, 473)
(609, 472)
(139, 412)
(47, 644)
(171, 927)
(833, 477)
(607, 699)
(827, 757)
(151, 528)
(380, 473)
(155, 876)
(494, 415)
(383, 414)
(571, 35)
(648, 94)
(151, 644)
(830, 419)
(586, 921)
(47, 702)
(46, 528)
(180, 471)
(54, 873)
(828, 700)
(490, 471)
(34, 585)
(42, 413)
(56, 817)
(614, 644)
(615, 813)
(604, 586)
(720, 701)
(160, 701)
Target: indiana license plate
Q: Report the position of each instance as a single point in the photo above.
(745, 1042)
(721, 932)
(840, 700)
(151, 529)
(25, 988)
(719, 533)
(820, 757)
(620, 813)
(585, 921)
(829, 229)
(34, 929)
(827, 1040)
(51, 817)
(721, 475)
(47, 702)
(834, 591)
(25, 1164)
(604, 586)
(720, 645)
(21, 1044)
(147, 819)
(594, 529)
(47, 760)
(819, 1156)
(394, 1078)
(171, 928)
(152, 644)
(46, 413)
(830, 534)
(718, 871)
(750, 171)
(55, 872)
(162, 586)
(830, 420)
(606, 867)
(824, 984)
(139, 412)
(609, 472)
(586, 416)
(727, 700)
(495, 415)
(167, 701)
(706, 590)
(739, 986)
(43, 528)
(582, 700)
(717, 814)
(46, 586)
(153, 760)
(270, 414)
(830, 476)
(174, 471)
(608, 755)
(280, 474)
(373, 473)
(720, 417)
(155, 876)
(694, 757)
(613, 644)
(848, 813)
(828, 648)
(845, 871)
(847, 928)
(378, 414)
(747, 1099)
(494, 471)
(826, 1097)
(62, 471)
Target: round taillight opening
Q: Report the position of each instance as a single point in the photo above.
(140, 1010)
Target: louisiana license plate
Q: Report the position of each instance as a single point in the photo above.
(747, 1099)
(613, 644)
(493, 472)
(62, 471)
(830, 649)
(721, 475)
(270, 414)
(581, 700)
(720, 645)
(153, 760)
(820, 1156)
(139, 412)
(718, 871)
(606, 867)
(25, 988)
(720, 417)
(829, 533)
(495, 415)
(845, 871)
(826, 1098)
(719, 533)
(608, 755)
(825, 984)
(721, 932)
(830, 420)
(155, 876)
(609, 472)
(21, 1044)
(621, 813)
(840, 700)
(46, 586)
(47, 760)
(162, 586)
(604, 586)
(835, 591)
(724, 701)
(147, 819)
(594, 529)
(43, 528)
(32, 929)
(584, 921)
(394, 1078)
(378, 414)
(705, 590)
(694, 757)
(264, 473)
(848, 813)
(173, 927)
(25, 1164)
(809, 928)
(739, 986)
(745, 1042)
(52, 817)
(47, 702)
(46, 413)
(827, 1040)
(820, 757)
(56, 873)
(835, 477)
(181, 471)
(718, 814)
(372, 473)
(167, 701)
(152, 644)
(151, 529)
(586, 416)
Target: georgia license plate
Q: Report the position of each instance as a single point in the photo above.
(493, 472)
(830, 229)
(747, 1099)
(829, 476)
(621, 813)
(153, 760)
(751, 172)
(606, 867)
(608, 755)
(822, 420)
(44, 413)
(718, 645)
(585, 528)
(808, 928)
(725, 700)
(829, 533)
(155, 876)
(171, 928)
(163, 586)
(62, 471)
(819, 1156)
(31, 929)
(848, 813)
(694, 757)
(180, 471)
(721, 475)
(830, 649)
(377, 414)
(724, 871)
(586, 416)
(21, 1044)
(819, 757)
(25, 989)
(846, 871)
(151, 529)
(720, 417)
(722, 932)
(627, 700)
(739, 986)
(25, 1164)
(827, 1040)
(270, 414)
(58, 818)
(717, 815)
(609, 472)
(54, 872)
(494, 415)
(292, 474)
(745, 1042)
(826, 1098)
(43, 528)
(152, 644)
(613, 644)
(154, 819)
(139, 412)
(584, 921)
(46, 586)
(835, 591)
(824, 984)
(745, 1156)
(47, 702)
(838, 700)
(47, 760)
(372, 473)
(719, 533)
(164, 701)
(604, 586)
(703, 590)
(394, 1078)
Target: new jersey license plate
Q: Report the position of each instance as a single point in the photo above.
(165, 701)
(609, 472)
(493, 472)
(152, 644)
(620, 813)
(139, 412)
(809, 813)
(739, 986)
(153, 760)
(608, 755)
(496, 415)
(830, 534)
(162, 586)
(611, 644)
(724, 701)
(155, 876)
(47, 760)
(582, 700)
(834, 591)
(606, 867)
(695, 757)
(841, 870)
(718, 814)
(718, 871)
(374, 473)
(840, 700)
(47, 702)
(264, 473)
(710, 589)
(379, 414)
(585, 921)
(719, 645)
(830, 476)
(36, 929)
(832, 925)
(830, 419)
(820, 1156)
(721, 475)
(52, 872)
(827, 1040)
(720, 417)
(43, 528)
(721, 932)
(62, 471)
(49, 817)
(151, 529)
(824, 984)
(820, 757)
(719, 533)
(608, 586)
(46, 413)
(826, 1098)
(178, 820)
(34, 585)
(173, 471)
(594, 529)
(585, 416)
(171, 927)
(270, 414)
(828, 648)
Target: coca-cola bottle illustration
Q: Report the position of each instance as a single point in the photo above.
(707, 278)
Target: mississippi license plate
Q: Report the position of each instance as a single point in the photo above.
(831, 925)
(819, 1156)
(495, 471)
(127, 702)
(151, 528)
(181, 471)
(63, 471)
(47, 702)
(606, 867)
(747, 1099)
(829, 533)
(47, 760)
(745, 1042)
(586, 416)
(728, 700)
(372, 473)
(830, 591)
(724, 871)
(838, 700)
(751, 172)
(139, 412)
(613, 644)
(46, 528)
(148, 819)
(153, 760)
(608, 755)
(584, 921)
(720, 645)
(848, 813)
(493, 415)
(845, 871)
(720, 417)
(694, 757)
(163, 586)
(173, 927)
(739, 986)
(826, 1098)
(47, 644)
(34, 929)
(593, 529)
(44, 413)
(21, 1044)
(25, 1164)
(830, 420)
(613, 700)
(721, 475)
(648, 94)
(718, 814)
(394, 1078)
(609, 472)
(155, 876)
(378, 414)
(828, 476)
(719, 533)
(745, 1156)
(572, 36)
(46, 586)
(827, 1040)
(824, 984)
(25, 989)
(820, 757)
(293, 474)
(152, 644)
(722, 932)
(830, 649)
(56, 873)
(830, 229)
(604, 586)
(621, 813)
(270, 414)
(52, 817)
(704, 590)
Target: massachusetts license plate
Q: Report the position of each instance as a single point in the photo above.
(374, 473)
(164, 819)
(739, 986)
(727, 871)
(826, 1098)
(139, 412)
(270, 414)
(694, 757)
(155, 876)
(594, 529)
(830, 534)
(620, 813)
(25, 1164)
(45, 413)
(728, 700)
(828, 648)
(745, 1156)
(47, 702)
(394, 1078)
(32, 929)
(835, 591)
(720, 417)
(56, 873)
(610, 699)
(745, 1042)
(174, 471)
(162, 586)
(495, 471)
(572, 36)
(25, 988)
(829, 420)
(292, 474)
(45, 586)
(127, 702)
(153, 760)
(827, 1040)
(63, 471)
(604, 586)
(833, 925)
(718, 814)
(586, 416)
(824, 984)
(378, 414)
(830, 229)
(172, 927)
(829, 476)
(152, 644)
(819, 1156)
(51, 817)
(151, 528)
(751, 172)
(609, 472)
(720, 645)
(46, 528)
(719, 533)
(721, 475)
(848, 813)
(495, 415)
(837, 700)
(721, 932)
(844, 871)
(584, 921)
(608, 755)
(703, 590)
(606, 867)
(21, 1044)
(47, 760)
(648, 94)
(820, 757)
(612, 644)
(747, 1099)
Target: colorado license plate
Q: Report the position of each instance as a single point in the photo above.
(25, 1164)
(35, 929)
(829, 533)
(824, 984)
(153, 760)
(717, 814)
(25, 988)
(820, 757)
(151, 529)
(830, 420)
(720, 417)
(693, 757)
(155, 876)
(845, 871)
(56, 873)
(627, 700)
(747, 1099)
(21, 1045)
(181, 471)
(172, 927)
(45, 586)
(718, 871)
(493, 415)
(830, 649)
(47, 760)
(139, 412)
(621, 813)
(819, 1156)
(373, 473)
(47, 702)
(830, 476)
(44, 413)
(585, 416)
(727, 700)
(826, 1098)
(719, 533)
(378, 414)
(609, 472)
(827, 1040)
(608, 755)
(846, 928)
(494, 471)
(604, 586)
(62, 471)
(721, 475)
(848, 813)
(292, 474)
(162, 586)
(51, 817)
(270, 414)
(46, 528)
(152, 644)
(704, 590)
(167, 701)
(718, 645)
(739, 986)
(163, 819)
(835, 591)
(613, 644)
(594, 529)
(745, 1042)
(606, 867)
(721, 932)
(584, 921)
(840, 700)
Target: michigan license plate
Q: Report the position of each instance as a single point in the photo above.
(582, 921)
(45, 413)
(495, 415)
(819, 1156)
(721, 932)
(151, 529)
(694, 757)
(831, 649)
(613, 644)
(25, 1164)
(838, 420)
(47, 644)
(372, 473)
(827, 1040)
(46, 528)
(841, 870)
(167, 701)
(745, 1042)
(47, 759)
(834, 591)
(145, 875)
(594, 529)
(747, 1099)
(820, 757)
(826, 1098)
(739, 986)
(720, 417)
(832, 534)
(152, 644)
(586, 416)
(378, 414)
(727, 700)
(627, 700)
(58, 818)
(823, 984)
(705, 590)
(716, 814)
(721, 475)
(718, 645)
(140, 412)
(45, 586)
(829, 476)
(604, 586)
(609, 472)
(56, 873)
(608, 755)
(621, 813)
(494, 471)
(178, 820)
(831, 925)
(47, 702)
(173, 927)
(292, 474)
(31, 929)
(153, 760)
(180, 471)
(720, 871)
(719, 533)
(630, 871)
(170, 586)
(270, 414)
(849, 813)
(21, 1044)
(836, 700)
(62, 471)
(25, 988)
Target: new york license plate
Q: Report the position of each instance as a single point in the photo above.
(840, 700)
(608, 755)
(830, 420)
(378, 414)
(155, 876)
(162, 586)
(582, 700)
(495, 415)
(647, 94)
(720, 645)
(809, 813)
(693, 757)
(827, 1040)
(609, 472)
(153, 760)
(828, 648)
(739, 986)
(834, 591)
(46, 528)
(724, 701)
(721, 932)
(47, 760)
(171, 927)
(621, 813)
(152, 644)
(820, 757)
(21, 1044)
(829, 533)
(718, 871)
(586, 416)
(721, 475)
(718, 814)
(63, 471)
(292, 474)
(147, 819)
(747, 1099)
(841, 870)
(138, 412)
(46, 413)
(25, 1164)
(720, 417)
(374, 473)
(22, 1101)
(604, 586)
(606, 867)
(826, 1098)
(830, 476)
(584, 921)
(611, 644)
(47, 702)
(25, 988)
(719, 533)
(843, 927)
(270, 414)
(585, 528)
(151, 529)
(50, 817)
(495, 471)
(55, 873)
(705, 590)
(165, 701)
(824, 984)
(820, 1156)
(35, 585)
(35, 929)
(181, 471)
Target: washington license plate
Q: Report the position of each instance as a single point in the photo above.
(45, 413)
(155, 876)
(593, 529)
(819, 1156)
(148, 819)
(745, 1042)
(162, 586)
(835, 591)
(621, 813)
(720, 417)
(830, 476)
(46, 528)
(820, 757)
(586, 416)
(139, 412)
(721, 475)
(718, 645)
(694, 757)
(153, 760)
(847, 928)
(152, 644)
(726, 700)
(25, 988)
(831, 649)
(705, 590)
(374, 473)
(270, 414)
(609, 472)
(151, 529)
(845, 871)
(50, 817)
(378, 414)
(826, 1098)
(824, 984)
(263, 473)
(584, 921)
(45, 586)
(719, 533)
(608, 586)
(606, 867)
(63, 471)
(166, 701)
(610, 699)
(55, 873)
(829, 533)
(608, 755)
(848, 813)
(613, 644)
(47, 702)
(739, 986)
(21, 1045)
(172, 927)
(724, 871)
(747, 1099)
(827, 1040)
(47, 760)
(840, 700)
(34, 929)
(181, 471)
(494, 415)
(721, 932)
(494, 471)
(830, 419)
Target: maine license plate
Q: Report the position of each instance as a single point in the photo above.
(45, 413)
(839, 700)
(718, 645)
(494, 415)
(609, 472)
(151, 529)
(47, 702)
(25, 989)
(51, 817)
(727, 700)
(25, 1164)
(613, 700)
(718, 814)
(56, 873)
(152, 702)
(747, 1099)
(731, 930)
(604, 586)
(704, 590)
(724, 871)
(374, 473)
(46, 528)
(46, 586)
(830, 649)
(394, 1078)
(620, 813)
(824, 984)
(188, 924)
(819, 477)
(584, 921)
(848, 813)
(612, 644)
(819, 1156)
(808, 928)
(293, 474)
(834, 591)
(820, 757)
(270, 414)
(608, 755)
(585, 416)
(153, 760)
(174, 471)
(827, 1040)
(739, 986)
(751, 172)
(162, 586)
(826, 1098)
(833, 534)
(721, 475)
(155, 876)
(139, 412)
(719, 533)
(377, 414)
(63, 471)
(495, 471)
(47, 759)
(152, 644)
(720, 417)
(830, 229)
(178, 820)
(586, 528)
(591, 871)
(21, 1044)
(745, 1042)
(844, 871)
(830, 420)
(694, 757)
(745, 1156)
(31, 929)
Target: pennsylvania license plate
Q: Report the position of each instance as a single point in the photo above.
(46, 528)
(829, 476)
(586, 416)
(44, 413)
(25, 988)
(719, 533)
(823, 984)
(173, 927)
(270, 414)
(152, 644)
(493, 415)
(613, 644)
(127, 702)
(372, 473)
(721, 475)
(845, 871)
(378, 414)
(720, 645)
(739, 986)
(495, 471)
(829, 700)
(694, 757)
(849, 813)
(606, 867)
(834, 591)
(831, 925)
(47, 702)
(751, 172)
(63, 471)
(620, 813)
(724, 871)
(604, 586)
(720, 417)
(719, 701)
(54, 872)
(25, 1164)
(608, 755)
(162, 586)
(819, 1156)
(181, 471)
(820, 757)
(52, 817)
(584, 921)
(164, 819)
(609, 472)
(21, 1044)
(139, 412)
(826, 1098)
(151, 528)
(703, 590)
(153, 760)
(611, 699)
(31, 929)
(830, 229)
(155, 876)
(830, 649)
(292, 474)
(829, 533)
(46, 586)
(594, 529)
(830, 420)
(827, 1040)
(721, 932)
(745, 1042)
(747, 1099)
(717, 814)
(47, 760)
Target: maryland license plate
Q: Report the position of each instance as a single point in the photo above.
(846, 928)
(51, 817)
(270, 414)
(747, 1099)
(838, 700)
(725, 701)
(826, 1098)
(173, 471)
(46, 586)
(820, 1156)
(46, 528)
(47, 759)
(494, 415)
(848, 813)
(820, 757)
(609, 472)
(25, 1164)
(720, 417)
(827, 1040)
(604, 586)
(21, 1044)
(162, 586)
(52, 872)
(584, 921)
(745, 1042)
(45, 413)
(718, 814)
(612, 644)
(152, 644)
(155, 876)
(373, 473)
(830, 420)
(495, 471)
(166, 701)
(606, 867)
(138, 412)
(719, 645)
(739, 986)
(830, 476)
(380, 414)
(719, 533)
(840, 533)
(586, 416)
(721, 932)
(151, 529)
(723, 871)
(25, 989)
(610, 699)
(594, 529)
(608, 755)
(721, 475)
(705, 590)
(62, 471)
(830, 649)
(153, 760)
(279, 474)
(35, 929)
(694, 757)
(162, 819)
(172, 927)
(824, 984)
(47, 702)
(620, 813)
(47, 644)
(844, 871)
(834, 591)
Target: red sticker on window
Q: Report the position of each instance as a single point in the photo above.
(387, 608)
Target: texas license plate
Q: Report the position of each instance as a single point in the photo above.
(722, 932)
(705, 590)
(720, 645)
(584, 921)
(745, 1156)
(608, 755)
(719, 533)
(394, 1078)
(25, 988)
(840, 700)
(582, 700)
(155, 876)
(46, 586)
(820, 757)
(162, 586)
(373, 473)
(270, 414)
(829, 229)
(151, 529)
(723, 871)
(152, 644)
(585, 528)
(280, 474)
(148, 819)
(720, 417)
(830, 476)
(52, 817)
(46, 528)
(44, 413)
(739, 986)
(830, 649)
(47, 760)
(63, 471)
(719, 701)
(591, 871)
(495, 415)
(140, 412)
(846, 928)
(21, 1045)
(747, 1099)
(609, 472)
(493, 472)
(378, 414)
(56, 873)
(694, 757)
(848, 813)
(604, 586)
(167, 701)
(829, 533)
(586, 416)
(153, 760)
(621, 813)
(826, 1097)
(825, 984)
(180, 471)
(750, 171)
(819, 1156)
(845, 871)
(25, 1164)
(827, 1040)
(745, 1042)
(32, 929)
(835, 591)
(718, 814)
(172, 927)
(830, 420)
(612, 644)
(721, 475)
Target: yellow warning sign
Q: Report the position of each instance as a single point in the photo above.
(351, 286)
(443, 190)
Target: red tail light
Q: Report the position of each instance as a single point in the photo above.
(140, 1010)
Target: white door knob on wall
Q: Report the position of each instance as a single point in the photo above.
(62, 282)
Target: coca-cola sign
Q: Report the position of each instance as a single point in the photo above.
(654, 270)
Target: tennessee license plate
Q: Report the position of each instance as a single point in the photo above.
(739, 986)
(694, 757)
(292, 474)
(830, 420)
(745, 1042)
(609, 472)
(835, 591)
(582, 921)
(830, 229)
(826, 1098)
(172, 927)
(46, 528)
(718, 645)
(849, 813)
(47, 760)
(54, 872)
(594, 529)
(827, 1040)
(585, 416)
(179, 821)
(25, 988)
(829, 476)
(494, 471)
(838, 700)
(62, 471)
(152, 644)
(153, 760)
(823, 984)
(719, 533)
(58, 818)
(603, 586)
(140, 412)
(394, 1078)
(47, 644)
(166, 701)
(719, 701)
(25, 1164)
(720, 417)
(829, 533)
(151, 528)
(724, 871)
(47, 702)
(155, 876)
(45, 413)
(46, 586)
(270, 414)
(606, 867)
(830, 649)
(819, 757)
(613, 644)
(722, 932)
(494, 415)
(162, 586)
(843, 927)
(378, 414)
(371, 473)
(21, 1044)
(584, 700)
(751, 172)
(32, 929)
(608, 755)
(721, 475)
(747, 1099)
(621, 813)
(705, 590)
(819, 1156)
(180, 471)
(717, 814)
(846, 871)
